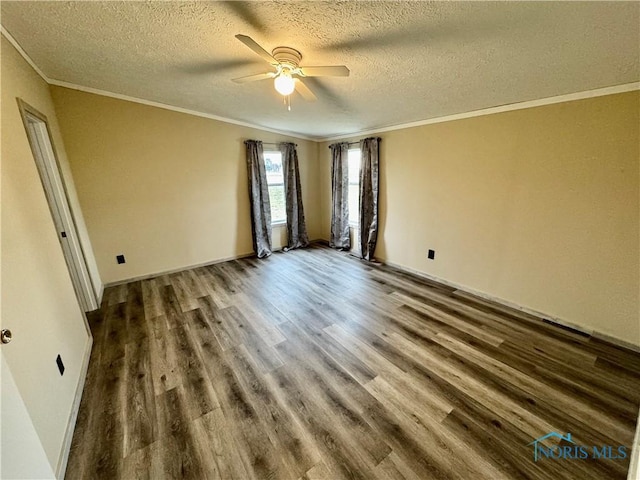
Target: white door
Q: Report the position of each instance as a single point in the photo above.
(48, 168)
(21, 453)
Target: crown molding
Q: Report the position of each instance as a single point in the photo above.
(570, 97)
(24, 54)
(118, 96)
(173, 108)
(598, 92)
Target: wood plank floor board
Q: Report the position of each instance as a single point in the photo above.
(290, 440)
(522, 333)
(604, 398)
(171, 305)
(341, 459)
(116, 295)
(506, 406)
(103, 436)
(136, 327)
(538, 398)
(258, 316)
(257, 453)
(512, 458)
(222, 279)
(509, 313)
(342, 356)
(201, 397)
(443, 320)
(241, 331)
(313, 364)
(583, 432)
(213, 288)
(218, 448)
(371, 357)
(608, 403)
(571, 404)
(176, 453)
(620, 368)
(314, 375)
(115, 336)
(186, 291)
(151, 298)
(429, 448)
(595, 378)
(139, 409)
(216, 320)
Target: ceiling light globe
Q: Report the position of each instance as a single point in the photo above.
(284, 84)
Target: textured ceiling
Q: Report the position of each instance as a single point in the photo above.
(409, 61)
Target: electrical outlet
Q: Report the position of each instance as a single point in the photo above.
(431, 254)
(120, 259)
(60, 364)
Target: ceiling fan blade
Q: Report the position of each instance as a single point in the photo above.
(304, 91)
(253, 78)
(335, 71)
(251, 43)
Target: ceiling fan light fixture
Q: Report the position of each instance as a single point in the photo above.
(284, 83)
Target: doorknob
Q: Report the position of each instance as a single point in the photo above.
(5, 336)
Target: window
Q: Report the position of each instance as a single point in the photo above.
(354, 186)
(275, 182)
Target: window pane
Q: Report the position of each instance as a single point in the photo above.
(354, 165)
(275, 182)
(273, 166)
(354, 203)
(278, 209)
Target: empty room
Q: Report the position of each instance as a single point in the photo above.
(320, 240)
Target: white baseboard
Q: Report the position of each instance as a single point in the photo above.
(541, 315)
(100, 294)
(189, 267)
(179, 269)
(71, 425)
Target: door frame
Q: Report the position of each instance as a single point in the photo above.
(46, 159)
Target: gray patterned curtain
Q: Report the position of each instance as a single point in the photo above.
(369, 193)
(340, 237)
(296, 227)
(259, 199)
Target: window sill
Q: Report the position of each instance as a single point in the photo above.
(279, 224)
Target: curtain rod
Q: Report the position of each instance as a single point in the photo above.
(357, 142)
(278, 144)
(350, 143)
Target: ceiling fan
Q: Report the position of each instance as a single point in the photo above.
(287, 72)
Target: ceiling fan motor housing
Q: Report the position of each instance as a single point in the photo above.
(288, 57)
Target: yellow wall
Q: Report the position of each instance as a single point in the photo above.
(166, 189)
(38, 300)
(538, 207)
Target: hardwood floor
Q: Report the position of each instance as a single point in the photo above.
(312, 364)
